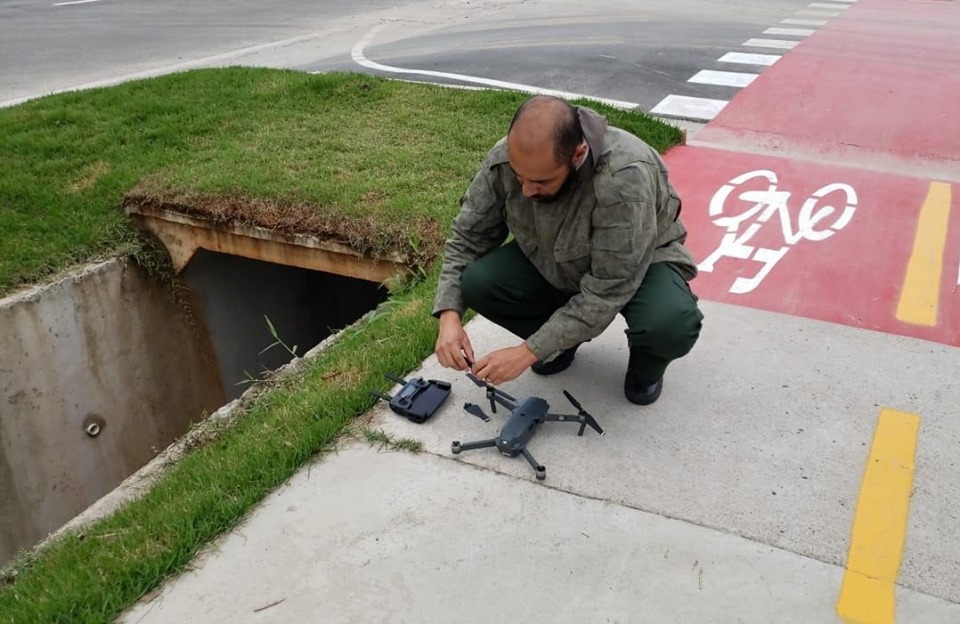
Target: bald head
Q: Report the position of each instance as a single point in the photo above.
(544, 143)
(543, 123)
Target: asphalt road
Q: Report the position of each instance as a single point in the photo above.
(638, 56)
(46, 47)
(638, 53)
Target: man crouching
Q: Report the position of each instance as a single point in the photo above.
(596, 232)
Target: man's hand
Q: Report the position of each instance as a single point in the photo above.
(453, 343)
(504, 365)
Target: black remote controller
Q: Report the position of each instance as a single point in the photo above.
(418, 399)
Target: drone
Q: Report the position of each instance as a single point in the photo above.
(525, 416)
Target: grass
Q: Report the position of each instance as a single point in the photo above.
(374, 163)
(380, 154)
(384, 440)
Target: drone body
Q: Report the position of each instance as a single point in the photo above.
(521, 426)
(525, 416)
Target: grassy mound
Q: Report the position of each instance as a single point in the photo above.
(372, 163)
(375, 163)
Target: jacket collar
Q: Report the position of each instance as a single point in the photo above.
(594, 128)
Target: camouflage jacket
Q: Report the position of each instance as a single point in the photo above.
(596, 242)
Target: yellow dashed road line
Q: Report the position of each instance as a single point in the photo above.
(880, 522)
(921, 288)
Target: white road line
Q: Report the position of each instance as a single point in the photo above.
(360, 59)
(824, 5)
(688, 107)
(75, 2)
(804, 22)
(771, 43)
(723, 78)
(749, 59)
(789, 32)
(819, 13)
(848, 1)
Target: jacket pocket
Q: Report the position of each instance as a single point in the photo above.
(571, 253)
(573, 263)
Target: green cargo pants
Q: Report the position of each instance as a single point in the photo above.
(663, 319)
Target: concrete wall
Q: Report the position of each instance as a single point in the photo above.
(235, 293)
(104, 343)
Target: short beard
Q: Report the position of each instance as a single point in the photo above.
(563, 190)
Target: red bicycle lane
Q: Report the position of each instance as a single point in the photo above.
(876, 86)
(828, 187)
(839, 244)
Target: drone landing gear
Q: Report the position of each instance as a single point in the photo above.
(457, 448)
(537, 468)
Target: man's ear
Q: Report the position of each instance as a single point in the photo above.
(579, 154)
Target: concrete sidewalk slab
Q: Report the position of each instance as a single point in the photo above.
(392, 537)
(762, 431)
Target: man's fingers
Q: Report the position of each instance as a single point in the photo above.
(446, 357)
(454, 349)
(449, 356)
(460, 361)
(478, 369)
(468, 358)
(468, 348)
(482, 369)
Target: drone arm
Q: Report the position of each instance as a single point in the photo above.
(505, 400)
(495, 395)
(470, 446)
(563, 418)
(583, 419)
(541, 471)
(484, 384)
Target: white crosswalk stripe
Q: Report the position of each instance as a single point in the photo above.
(803, 22)
(789, 32)
(749, 59)
(689, 107)
(723, 78)
(771, 43)
(705, 109)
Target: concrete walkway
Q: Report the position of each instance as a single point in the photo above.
(729, 500)
(799, 467)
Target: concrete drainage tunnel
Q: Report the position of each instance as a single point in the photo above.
(103, 369)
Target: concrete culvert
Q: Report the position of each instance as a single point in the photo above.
(260, 315)
(103, 369)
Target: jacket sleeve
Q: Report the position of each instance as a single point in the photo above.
(478, 228)
(622, 241)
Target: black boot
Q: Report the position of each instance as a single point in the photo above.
(638, 390)
(560, 363)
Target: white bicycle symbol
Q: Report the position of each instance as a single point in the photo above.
(811, 223)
